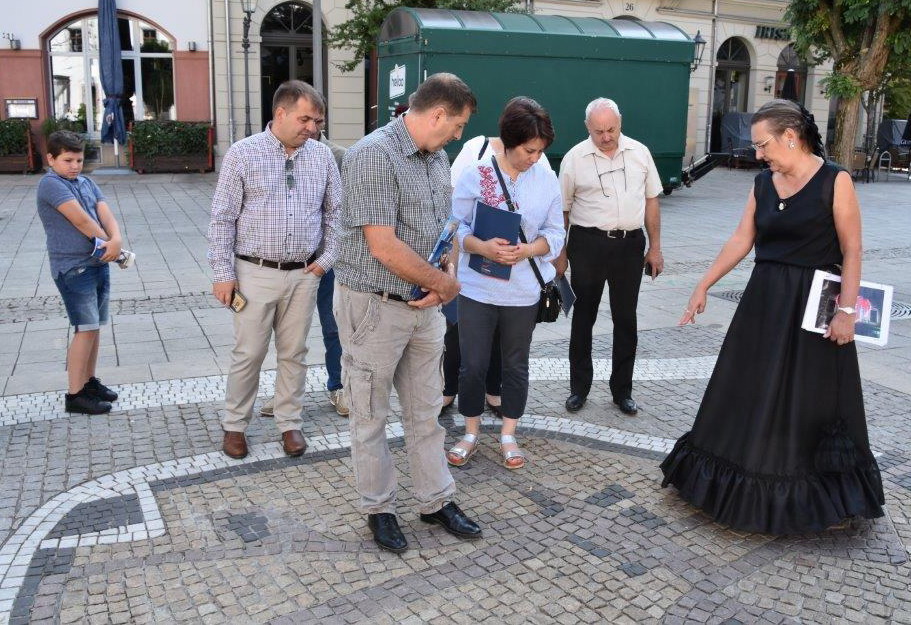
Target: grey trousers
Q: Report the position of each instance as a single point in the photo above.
(279, 302)
(386, 344)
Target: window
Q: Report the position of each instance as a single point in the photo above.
(791, 77)
(148, 73)
(75, 39)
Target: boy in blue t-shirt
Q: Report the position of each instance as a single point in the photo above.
(74, 213)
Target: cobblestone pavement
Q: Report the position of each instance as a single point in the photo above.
(136, 517)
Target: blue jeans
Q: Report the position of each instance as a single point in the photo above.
(330, 331)
(85, 292)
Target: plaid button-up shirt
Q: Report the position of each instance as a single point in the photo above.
(265, 209)
(390, 182)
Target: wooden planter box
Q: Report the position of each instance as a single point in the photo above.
(20, 163)
(16, 164)
(178, 163)
(172, 164)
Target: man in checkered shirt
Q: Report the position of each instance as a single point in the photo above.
(272, 236)
(398, 197)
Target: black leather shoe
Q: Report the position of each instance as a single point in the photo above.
(574, 402)
(627, 405)
(386, 532)
(453, 521)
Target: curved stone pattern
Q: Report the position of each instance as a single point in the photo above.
(15, 409)
(590, 518)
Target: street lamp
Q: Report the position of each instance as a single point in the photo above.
(698, 50)
(248, 7)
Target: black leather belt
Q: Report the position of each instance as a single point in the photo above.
(612, 234)
(271, 264)
(387, 295)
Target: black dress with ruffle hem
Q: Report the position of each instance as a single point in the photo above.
(780, 445)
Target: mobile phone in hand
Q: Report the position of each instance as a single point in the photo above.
(238, 301)
(647, 270)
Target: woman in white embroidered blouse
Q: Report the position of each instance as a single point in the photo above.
(473, 150)
(487, 304)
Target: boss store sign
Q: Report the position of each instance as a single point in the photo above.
(774, 33)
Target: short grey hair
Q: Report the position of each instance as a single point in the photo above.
(599, 104)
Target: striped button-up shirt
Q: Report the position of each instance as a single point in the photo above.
(390, 182)
(270, 209)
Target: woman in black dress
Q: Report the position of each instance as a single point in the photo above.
(779, 444)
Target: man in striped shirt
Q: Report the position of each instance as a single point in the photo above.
(272, 236)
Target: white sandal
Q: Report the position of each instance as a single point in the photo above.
(463, 454)
(509, 439)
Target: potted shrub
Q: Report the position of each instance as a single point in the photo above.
(17, 147)
(169, 146)
(76, 124)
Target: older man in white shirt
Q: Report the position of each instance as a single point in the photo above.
(610, 191)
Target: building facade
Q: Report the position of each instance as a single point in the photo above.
(187, 61)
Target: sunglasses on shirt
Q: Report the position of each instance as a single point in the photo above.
(289, 173)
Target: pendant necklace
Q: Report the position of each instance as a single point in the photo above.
(782, 205)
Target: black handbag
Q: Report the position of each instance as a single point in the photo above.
(549, 303)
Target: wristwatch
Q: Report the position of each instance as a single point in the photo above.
(847, 309)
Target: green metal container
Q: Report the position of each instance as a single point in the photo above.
(562, 62)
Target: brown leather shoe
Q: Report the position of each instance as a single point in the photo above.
(294, 443)
(235, 445)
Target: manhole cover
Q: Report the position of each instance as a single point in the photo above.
(900, 310)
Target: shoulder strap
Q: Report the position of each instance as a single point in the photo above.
(512, 209)
(483, 148)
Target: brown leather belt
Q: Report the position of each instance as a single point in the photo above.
(271, 264)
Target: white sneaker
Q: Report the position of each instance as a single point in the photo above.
(340, 400)
(268, 409)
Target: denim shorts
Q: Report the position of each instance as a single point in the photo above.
(85, 292)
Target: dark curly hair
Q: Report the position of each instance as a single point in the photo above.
(784, 114)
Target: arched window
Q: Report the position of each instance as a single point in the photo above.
(148, 72)
(795, 87)
(732, 76)
(286, 51)
(289, 18)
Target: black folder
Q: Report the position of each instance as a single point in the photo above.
(492, 223)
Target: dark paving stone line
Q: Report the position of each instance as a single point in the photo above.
(249, 526)
(18, 310)
(674, 342)
(43, 563)
(95, 516)
(608, 496)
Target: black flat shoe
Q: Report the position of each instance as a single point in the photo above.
(386, 532)
(496, 411)
(96, 389)
(453, 521)
(627, 405)
(84, 403)
(574, 402)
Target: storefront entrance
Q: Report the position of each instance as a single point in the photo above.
(731, 85)
(286, 51)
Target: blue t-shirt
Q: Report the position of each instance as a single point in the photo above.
(66, 246)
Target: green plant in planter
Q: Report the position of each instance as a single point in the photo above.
(13, 137)
(51, 125)
(152, 139)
